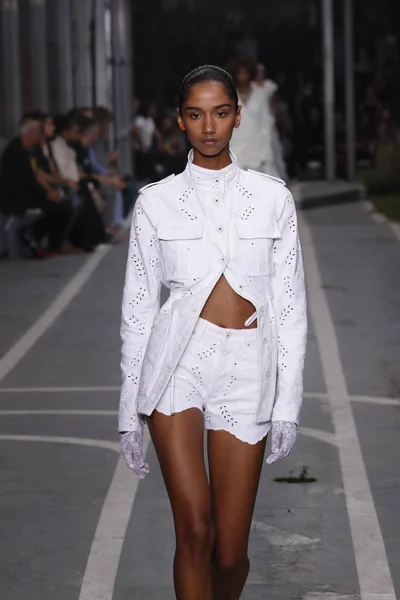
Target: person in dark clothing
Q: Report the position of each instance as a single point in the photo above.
(21, 190)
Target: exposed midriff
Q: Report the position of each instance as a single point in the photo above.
(226, 308)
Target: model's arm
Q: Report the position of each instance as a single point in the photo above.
(289, 298)
(140, 305)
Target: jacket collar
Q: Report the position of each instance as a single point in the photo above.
(207, 178)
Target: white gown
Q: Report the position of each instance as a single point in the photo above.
(255, 142)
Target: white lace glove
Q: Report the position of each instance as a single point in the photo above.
(284, 435)
(131, 445)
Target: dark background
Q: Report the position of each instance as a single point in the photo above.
(173, 36)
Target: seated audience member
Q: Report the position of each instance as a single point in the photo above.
(21, 189)
(171, 148)
(88, 159)
(104, 162)
(62, 150)
(88, 230)
(47, 172)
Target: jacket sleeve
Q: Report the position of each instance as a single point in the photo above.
(140, 306)
(289, 299)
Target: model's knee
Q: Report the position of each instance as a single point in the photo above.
(229, 561)
(196, 535)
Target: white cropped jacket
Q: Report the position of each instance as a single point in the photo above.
(187, 231)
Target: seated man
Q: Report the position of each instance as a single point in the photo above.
(20, 189)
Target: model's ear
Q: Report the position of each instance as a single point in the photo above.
(180, 122)
(238, 117)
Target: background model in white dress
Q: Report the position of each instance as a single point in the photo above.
(255, 143)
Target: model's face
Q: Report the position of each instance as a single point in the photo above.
(209, 117)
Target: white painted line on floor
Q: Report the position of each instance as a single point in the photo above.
(369, 549)
(64, 298)
(52, 439)
(57, 390)
(381, 401)
(332, 596)
(377, 401)
(101, 570)
(381, 218)
(328, 596)
(395, 227)
(99, 578)
(317, 434)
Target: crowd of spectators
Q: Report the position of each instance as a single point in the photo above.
(60, 170)
(160, 148)
(300, 119)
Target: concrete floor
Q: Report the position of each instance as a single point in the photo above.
(68, 528)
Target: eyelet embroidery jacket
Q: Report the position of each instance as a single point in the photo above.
(187, 231)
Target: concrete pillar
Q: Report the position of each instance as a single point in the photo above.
(38, 45)
(349, 88)
(102, 85)
(122, 77)
(10, 67)
(60, 55)
(82, 14)
(329, 88)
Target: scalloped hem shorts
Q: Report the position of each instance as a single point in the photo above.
(219, 374)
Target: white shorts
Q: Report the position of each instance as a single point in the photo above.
(219, 373)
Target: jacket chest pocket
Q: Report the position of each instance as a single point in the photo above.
(255, 247)
(182, 250)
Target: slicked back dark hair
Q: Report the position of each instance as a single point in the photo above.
(208, 74)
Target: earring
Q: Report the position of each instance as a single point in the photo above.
(181, 127)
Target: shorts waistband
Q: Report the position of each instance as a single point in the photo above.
(206, 327)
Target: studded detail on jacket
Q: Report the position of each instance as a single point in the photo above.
(186, 232)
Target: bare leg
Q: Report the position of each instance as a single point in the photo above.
(179, 443)
(235, 468)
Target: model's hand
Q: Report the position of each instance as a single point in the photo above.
(131, 445)
(284, 435)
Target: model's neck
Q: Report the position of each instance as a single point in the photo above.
(213, 163)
